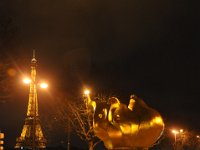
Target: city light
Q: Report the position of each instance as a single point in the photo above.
(175, 132)
(27, 80)
(43, 85)
(86, 92)
(181, 130)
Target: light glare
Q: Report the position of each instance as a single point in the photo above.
(86, 92)
(44, 85)
(175, 132)
(26, 80)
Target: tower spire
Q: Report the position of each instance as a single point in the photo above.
(33, 53)
(33, 59)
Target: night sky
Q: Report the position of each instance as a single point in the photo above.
(149, 48)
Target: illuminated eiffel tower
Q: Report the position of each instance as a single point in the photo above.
(32, 136)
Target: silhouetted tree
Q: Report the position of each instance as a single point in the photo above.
(81, 120)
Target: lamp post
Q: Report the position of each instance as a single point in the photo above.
(198, 138)
(181, 130)
(90, 105)
(87, 98)
(89, 114)
(87, 101)
(175, 132)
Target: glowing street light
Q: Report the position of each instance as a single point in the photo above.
(87, 99)
(86, 92)
(27, 80)
(86, 95)
(43, 85)
(181, 130)
(175, 132)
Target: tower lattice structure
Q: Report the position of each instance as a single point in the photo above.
(32, 136)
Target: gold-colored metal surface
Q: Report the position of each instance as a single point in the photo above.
(33, 93)
(127, 127)
(32, 130)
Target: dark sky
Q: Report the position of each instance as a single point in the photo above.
(150, 48)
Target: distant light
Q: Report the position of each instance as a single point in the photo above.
(175, 132)
(44, 85)
(1, 135)
(27, 80)
(198, 136)
(86, 92)
(181, 130)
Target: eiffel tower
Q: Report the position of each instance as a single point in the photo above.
(32, 136)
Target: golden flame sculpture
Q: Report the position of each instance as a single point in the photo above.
(126, 127)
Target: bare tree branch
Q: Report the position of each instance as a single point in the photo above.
(81, 121)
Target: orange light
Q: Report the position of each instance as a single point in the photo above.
(181, 130)
(44, 85)
(175, 132)
(1, 135)
(27, 80)
(86, 92)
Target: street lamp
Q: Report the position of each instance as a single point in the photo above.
(181, 130)
(88, 102)
(26, 80)
(175, 132)
(86, 96)
(42, 85)
(86, 92)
